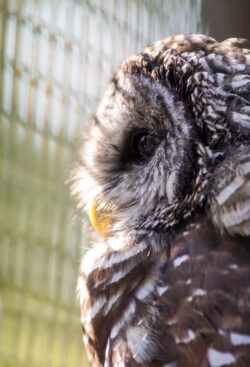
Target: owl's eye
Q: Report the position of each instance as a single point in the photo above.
(143, 145)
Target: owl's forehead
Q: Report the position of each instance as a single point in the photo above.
(134, 100)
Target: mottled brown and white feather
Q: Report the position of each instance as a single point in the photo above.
(169, 286)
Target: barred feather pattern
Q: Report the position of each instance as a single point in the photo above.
(170, 285)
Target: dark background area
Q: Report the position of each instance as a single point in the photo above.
(226, 18)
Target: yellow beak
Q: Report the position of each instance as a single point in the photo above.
(101, 216)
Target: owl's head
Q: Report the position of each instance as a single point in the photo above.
(138, 154)
(168, 116)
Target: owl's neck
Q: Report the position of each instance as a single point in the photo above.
(116, 277)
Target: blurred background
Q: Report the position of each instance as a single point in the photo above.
(56, 58)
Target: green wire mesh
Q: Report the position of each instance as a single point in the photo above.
(56, 58)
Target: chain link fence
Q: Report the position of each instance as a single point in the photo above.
(56, 58)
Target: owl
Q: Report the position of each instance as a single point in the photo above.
(164, 173)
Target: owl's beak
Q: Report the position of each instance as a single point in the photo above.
(101, 216)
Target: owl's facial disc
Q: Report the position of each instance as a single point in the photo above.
(142, 146)
(136, 156)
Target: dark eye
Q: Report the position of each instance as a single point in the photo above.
(143, 145)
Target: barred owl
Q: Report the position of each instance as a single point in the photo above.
(164, 171)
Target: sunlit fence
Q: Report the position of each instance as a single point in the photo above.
(56, 58)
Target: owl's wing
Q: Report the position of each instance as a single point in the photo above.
(230, 194)
(204, 312)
